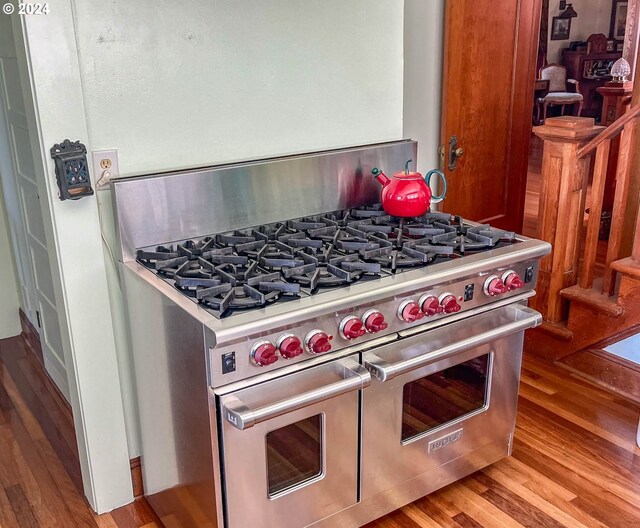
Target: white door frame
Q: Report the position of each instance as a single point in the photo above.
(50, 74)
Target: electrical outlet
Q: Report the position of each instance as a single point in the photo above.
(105, 161)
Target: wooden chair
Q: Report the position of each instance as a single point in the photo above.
(562, 91)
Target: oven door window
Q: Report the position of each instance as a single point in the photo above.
(294, 455)
(445, 396)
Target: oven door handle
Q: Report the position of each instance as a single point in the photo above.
(242, 417)
(524, 317)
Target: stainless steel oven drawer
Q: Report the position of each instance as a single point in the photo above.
(290, 446)
(440, 395)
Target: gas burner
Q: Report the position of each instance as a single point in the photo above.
(290, 262)
(368, 211)
(406, 254)
(194, 248)
(337, 271)
(241, 287)
(337, 218)
(320, 255)
(236, 237)
(228, 297)
(269, 231)
(472, 238)
(299, 240)
(161, 253)
(164, 259)
(319, 278)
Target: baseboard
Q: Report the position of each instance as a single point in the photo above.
(136, 477)
(31, 336)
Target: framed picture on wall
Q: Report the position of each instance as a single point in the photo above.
(618, 18)
(560, 28)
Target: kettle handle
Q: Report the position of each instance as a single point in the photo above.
(427, 178)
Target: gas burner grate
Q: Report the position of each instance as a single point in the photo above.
(192, 249)
(466, 239)
(368, 211)
(239, 297)
(256, 266)
(235, 238)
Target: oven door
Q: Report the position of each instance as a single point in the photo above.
(290, 446)
(441, 394)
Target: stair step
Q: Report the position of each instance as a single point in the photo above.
(592, 297)
(627, 266)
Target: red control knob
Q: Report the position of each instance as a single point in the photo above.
(318, 342)
(449, 303)
(512, 280)
(289, 346)
(374, 321)
(494, 286)
(263, 353)
(352, 328)
(410, 312)
(430, 305)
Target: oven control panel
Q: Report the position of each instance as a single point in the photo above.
(333, 331)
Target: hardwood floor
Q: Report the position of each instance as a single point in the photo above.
(575, 463)
(40, 483)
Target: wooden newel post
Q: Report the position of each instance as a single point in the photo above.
(562, 203)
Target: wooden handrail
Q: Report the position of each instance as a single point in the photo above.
(610, 132)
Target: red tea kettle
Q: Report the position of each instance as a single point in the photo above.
(408, 193)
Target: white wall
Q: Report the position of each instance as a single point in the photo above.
(9, 301)
(594, 16)
(195, 83)
(423, 49)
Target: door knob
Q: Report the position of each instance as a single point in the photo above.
(455, 152)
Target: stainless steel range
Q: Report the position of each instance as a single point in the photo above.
(304, 359)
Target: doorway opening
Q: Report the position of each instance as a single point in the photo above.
(579, 44)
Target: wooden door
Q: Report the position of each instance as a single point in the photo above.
(489, 71)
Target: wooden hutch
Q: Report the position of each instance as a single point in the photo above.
(591, 67)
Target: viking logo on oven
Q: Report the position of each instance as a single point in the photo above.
(444, 441)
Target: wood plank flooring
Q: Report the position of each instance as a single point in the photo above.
(575, 463)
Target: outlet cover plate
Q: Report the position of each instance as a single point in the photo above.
(105, 157)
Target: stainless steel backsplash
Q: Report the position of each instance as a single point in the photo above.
(160, 208)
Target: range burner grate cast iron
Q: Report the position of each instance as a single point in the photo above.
(251, 268)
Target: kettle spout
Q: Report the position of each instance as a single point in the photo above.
(380, 176)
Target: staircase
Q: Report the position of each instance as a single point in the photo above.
(579, 307)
